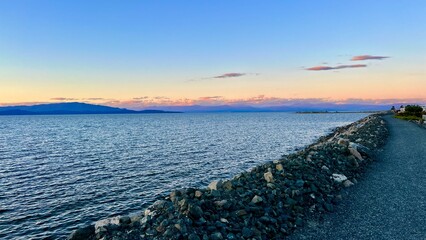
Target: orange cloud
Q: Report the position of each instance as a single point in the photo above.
(210, 98)
(319, 68)
(367, 57)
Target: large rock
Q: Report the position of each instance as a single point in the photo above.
(360, 148)
(353, 161)
(355, 153)
(174, 195)
(125, 220)
(339, 177)
(221, 203)
(215, 185)
(195, 211)
(343, 142)
(268, 177)
(227, 185)
(105, 222)
(198, 194)
(83, 233)
(348, 183)
(256, 199)
(159, 204)
(216, 236)
(240, 213)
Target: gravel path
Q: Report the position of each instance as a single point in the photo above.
(389, 202)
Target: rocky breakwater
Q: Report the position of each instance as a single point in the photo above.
(268, 202)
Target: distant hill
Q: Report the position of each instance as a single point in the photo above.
(70, 108)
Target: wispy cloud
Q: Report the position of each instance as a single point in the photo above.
(225, 75)
(64, 99)
(161, 98)
(367, 57)
(94, 99)
(21, 103)
(141, 98)
(325, 68)
(210, 98)
(230, 75)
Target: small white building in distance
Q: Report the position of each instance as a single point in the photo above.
(424, 116)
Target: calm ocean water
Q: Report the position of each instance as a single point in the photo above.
(61, 172)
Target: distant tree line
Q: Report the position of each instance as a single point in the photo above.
(412, 112)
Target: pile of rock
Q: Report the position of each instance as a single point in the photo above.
(267, 202)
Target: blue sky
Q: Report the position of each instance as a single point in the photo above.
(119, 51)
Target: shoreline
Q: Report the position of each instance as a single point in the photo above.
(391, 189)
(271, 200)
(334, 112)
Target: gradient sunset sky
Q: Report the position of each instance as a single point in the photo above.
(149, 53)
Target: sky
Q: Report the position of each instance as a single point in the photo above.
(137, 54)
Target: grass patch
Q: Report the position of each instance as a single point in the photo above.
(415, 118)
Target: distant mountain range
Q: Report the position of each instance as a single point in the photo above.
(85, 108)
(70, 108)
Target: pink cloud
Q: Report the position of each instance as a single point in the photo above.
(225, 75)
(94, 99)
(319, 68)
(325, 68)
(209, 98)
(367, 57)
(260, 100)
